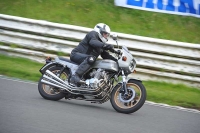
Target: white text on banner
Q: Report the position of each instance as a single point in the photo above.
(180, 7)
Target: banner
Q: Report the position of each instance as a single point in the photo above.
(180, 7)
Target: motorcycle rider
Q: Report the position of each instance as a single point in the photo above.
(88, 50)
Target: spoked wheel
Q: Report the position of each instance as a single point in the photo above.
(49, 92)
(131, 102)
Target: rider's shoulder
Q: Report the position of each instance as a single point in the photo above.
(93, 34)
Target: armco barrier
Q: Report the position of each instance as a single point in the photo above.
(157, 59)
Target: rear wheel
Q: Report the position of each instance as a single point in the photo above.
(131, 102)
(50, 92)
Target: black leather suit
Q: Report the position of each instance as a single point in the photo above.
(91, 45)
(86, 53)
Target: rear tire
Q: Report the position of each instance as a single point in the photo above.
(49, 92)
(137, 96)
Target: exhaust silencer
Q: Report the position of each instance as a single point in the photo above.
(50, 78)
(51, 84)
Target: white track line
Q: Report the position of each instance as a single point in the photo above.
(17, 80)
(147, 102)
(172, 107)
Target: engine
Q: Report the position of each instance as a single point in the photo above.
(98, 76)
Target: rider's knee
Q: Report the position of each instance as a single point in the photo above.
(91, 60)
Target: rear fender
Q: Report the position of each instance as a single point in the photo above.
(49, 65)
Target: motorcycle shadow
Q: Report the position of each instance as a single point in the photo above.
(87, 105)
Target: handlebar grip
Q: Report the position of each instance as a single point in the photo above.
(117, 52)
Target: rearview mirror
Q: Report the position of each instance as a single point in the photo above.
(114, 36)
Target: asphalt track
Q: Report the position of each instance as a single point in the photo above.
(23, 110)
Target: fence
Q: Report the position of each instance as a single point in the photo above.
(157, 59)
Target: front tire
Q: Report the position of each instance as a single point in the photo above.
(49, 92)
(131, 103)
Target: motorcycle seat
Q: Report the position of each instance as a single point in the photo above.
(67, 60)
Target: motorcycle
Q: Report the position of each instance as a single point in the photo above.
(100, 83)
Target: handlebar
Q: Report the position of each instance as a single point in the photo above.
(117, 52)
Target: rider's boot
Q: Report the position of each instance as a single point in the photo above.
(76, 78)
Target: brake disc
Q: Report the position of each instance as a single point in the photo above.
(130, 99)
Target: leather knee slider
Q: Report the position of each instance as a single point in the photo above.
(91, 60)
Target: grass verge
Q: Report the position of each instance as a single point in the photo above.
(173, 94)
(160, 92)
(19, 68)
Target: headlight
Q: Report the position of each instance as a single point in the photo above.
(132, 65)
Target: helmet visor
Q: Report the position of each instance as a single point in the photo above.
(106, 35)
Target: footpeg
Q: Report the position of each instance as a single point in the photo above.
(81, 82)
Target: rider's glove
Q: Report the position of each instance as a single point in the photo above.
(119, 52)
(108, 47)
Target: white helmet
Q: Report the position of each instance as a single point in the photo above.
(101, 28)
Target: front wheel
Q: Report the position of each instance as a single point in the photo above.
(131, 102)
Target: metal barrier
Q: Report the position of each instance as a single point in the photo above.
(157, 59)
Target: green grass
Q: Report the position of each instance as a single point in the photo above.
(173, 94)
(87, 13)
(20, 68)
(160, 92)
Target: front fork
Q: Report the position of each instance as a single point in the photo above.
(124, 89)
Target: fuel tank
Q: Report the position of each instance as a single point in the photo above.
(106, 64)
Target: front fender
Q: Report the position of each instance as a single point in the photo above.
(49, 65)
(134, 80)
(121, 83)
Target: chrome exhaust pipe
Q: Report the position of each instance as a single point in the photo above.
(70, 88)
(51, 84)
(59, 82)
(53, 81)
(56, 78)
